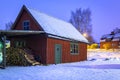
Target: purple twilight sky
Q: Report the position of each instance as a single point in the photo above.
(105, 13)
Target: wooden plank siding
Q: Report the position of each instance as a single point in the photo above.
(25, 16)
(38, 45)
(66, 55)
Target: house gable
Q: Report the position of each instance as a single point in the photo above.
(24, 15)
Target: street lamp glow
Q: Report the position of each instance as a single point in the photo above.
(85, 34)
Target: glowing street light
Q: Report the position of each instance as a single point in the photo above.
(85, 34)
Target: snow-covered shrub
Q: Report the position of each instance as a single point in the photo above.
(15, 57)
(107, 46)
(94, 46)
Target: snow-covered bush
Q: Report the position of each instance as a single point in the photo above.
(107, 46)
(94, 46)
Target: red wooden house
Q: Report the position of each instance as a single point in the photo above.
(59, 41)
(112, 39)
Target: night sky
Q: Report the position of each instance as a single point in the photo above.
(105, 13)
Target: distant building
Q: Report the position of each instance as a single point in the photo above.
(113, 39)
(59, 41)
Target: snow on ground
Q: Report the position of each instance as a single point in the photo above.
(98, 67)
(103, 54)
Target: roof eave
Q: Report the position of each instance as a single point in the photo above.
(64, 38)
(19, 32)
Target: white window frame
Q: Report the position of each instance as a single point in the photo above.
(74, 48)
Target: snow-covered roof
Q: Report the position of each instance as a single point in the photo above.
(108, 36)
(102, 40)
(116, 39)
(117, 35)
(56, 27)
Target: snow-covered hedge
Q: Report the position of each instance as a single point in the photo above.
(92, 46)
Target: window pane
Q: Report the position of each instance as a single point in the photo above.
(16, 44)
(74, 48)
(72, 51)
(24, 44)
(26, 25)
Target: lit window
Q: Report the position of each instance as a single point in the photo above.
(74, 48)
(26, 25)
